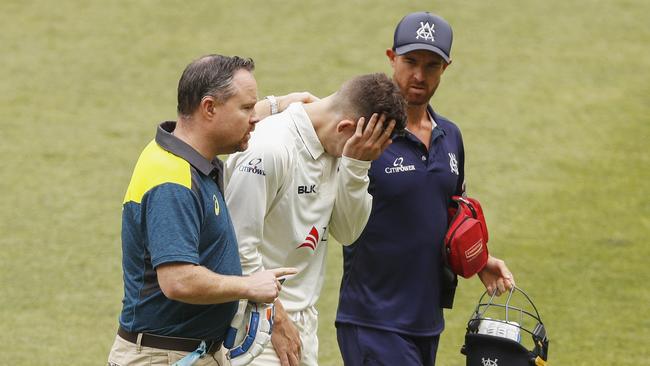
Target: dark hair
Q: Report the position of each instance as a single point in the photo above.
(209, 75)
(373, 93)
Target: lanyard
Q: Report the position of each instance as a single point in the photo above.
(191, 358)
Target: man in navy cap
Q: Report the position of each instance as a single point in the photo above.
(394, 283)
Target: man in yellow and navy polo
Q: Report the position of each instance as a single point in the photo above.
(182, 275)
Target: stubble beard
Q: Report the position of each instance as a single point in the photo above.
(244, 142)
(417, 102)
(242, 146)
(420, 100)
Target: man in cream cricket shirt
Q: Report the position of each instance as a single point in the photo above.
(304, 176)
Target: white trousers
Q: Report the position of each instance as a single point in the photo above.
(306, 322)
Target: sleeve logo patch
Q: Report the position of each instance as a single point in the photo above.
(252, 167)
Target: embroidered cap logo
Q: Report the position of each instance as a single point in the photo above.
(426, 31)
(489, 362)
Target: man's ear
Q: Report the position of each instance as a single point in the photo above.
(446, 64)
(391, 56)
(344, 125)
(208, 106)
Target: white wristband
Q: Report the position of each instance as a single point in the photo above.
(274, 104)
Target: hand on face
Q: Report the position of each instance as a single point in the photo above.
(367, 144)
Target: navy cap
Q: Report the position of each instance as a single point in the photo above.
(423, 31)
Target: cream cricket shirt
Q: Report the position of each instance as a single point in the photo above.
(285, 195)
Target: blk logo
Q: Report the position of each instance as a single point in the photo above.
(307, 189)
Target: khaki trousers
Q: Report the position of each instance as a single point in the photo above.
(125, 353)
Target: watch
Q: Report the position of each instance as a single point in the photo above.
(274, 104)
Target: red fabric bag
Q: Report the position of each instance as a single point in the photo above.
(465, 248)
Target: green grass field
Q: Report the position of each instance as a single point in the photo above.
(552, 98)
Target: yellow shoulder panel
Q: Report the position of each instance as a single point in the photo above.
(156, 166)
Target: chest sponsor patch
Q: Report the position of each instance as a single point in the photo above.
(399, 167)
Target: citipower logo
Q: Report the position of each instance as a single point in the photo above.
(398, 167)
(252, 167)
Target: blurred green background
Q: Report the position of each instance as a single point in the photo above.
(552, 98)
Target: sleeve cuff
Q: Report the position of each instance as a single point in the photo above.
(174, 258)
(358, 167)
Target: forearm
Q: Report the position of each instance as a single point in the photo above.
(263, 107)
(285, 337)
(281, 315)
(496, 276)
(195, 284)
(353, 202)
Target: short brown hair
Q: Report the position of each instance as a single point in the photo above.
(373, 93)
(209, 75)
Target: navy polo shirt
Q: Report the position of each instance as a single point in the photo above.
(392, 273)
(174, 211)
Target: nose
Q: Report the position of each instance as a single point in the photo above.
(254, 119)
(418, 74)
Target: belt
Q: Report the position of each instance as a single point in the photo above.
(169, 343)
